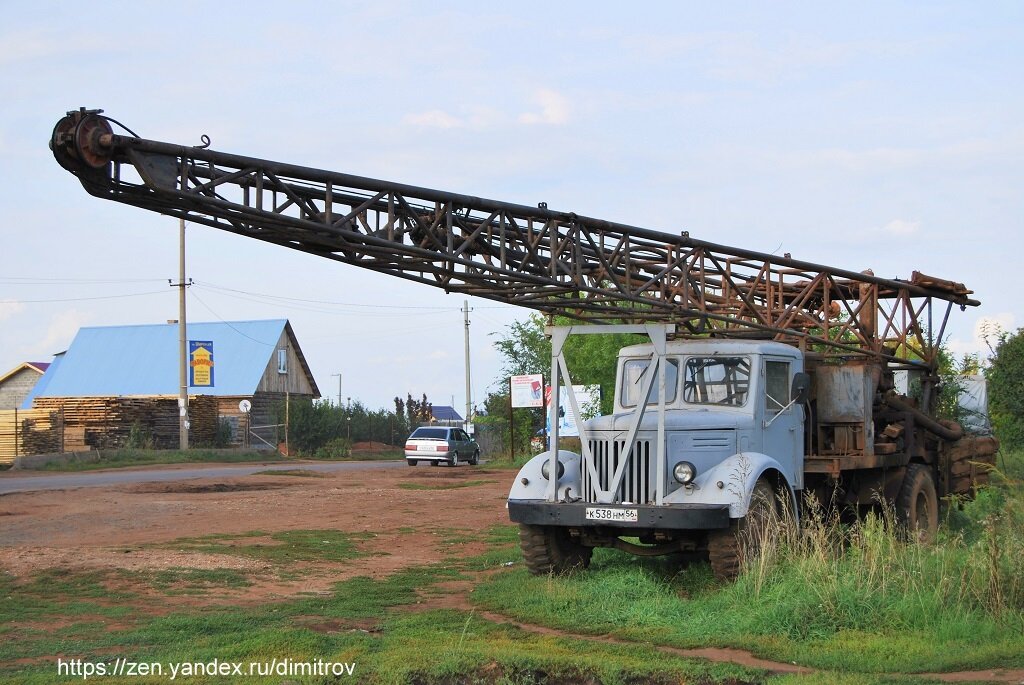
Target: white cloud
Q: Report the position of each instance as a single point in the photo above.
(9, 308)
(434, 118)
(554, 109)
(476, 118)
(60, 332)
(986, 330)
(901, 227)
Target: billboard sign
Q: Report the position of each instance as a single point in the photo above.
(527, 391)
(200, 363)
(589, 399)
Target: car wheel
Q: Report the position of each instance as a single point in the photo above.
(454, 459)
(475, 459)
(411, 462)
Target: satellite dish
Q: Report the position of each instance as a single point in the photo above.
(245, 406)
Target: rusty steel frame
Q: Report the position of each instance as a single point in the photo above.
(559, 263)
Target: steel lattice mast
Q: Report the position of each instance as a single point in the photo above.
(559, 263)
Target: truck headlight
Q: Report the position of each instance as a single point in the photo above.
(545, 469)
(684, 472)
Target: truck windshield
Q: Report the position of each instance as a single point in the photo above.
(717, 380)
(634, 373)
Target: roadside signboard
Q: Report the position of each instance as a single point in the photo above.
(527, 391)
(589, 399)
(200, 363)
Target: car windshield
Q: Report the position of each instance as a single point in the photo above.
(430, 433)
(717, 380)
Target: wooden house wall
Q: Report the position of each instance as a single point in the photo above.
(295, 381)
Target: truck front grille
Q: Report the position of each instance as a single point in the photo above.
(638, 483)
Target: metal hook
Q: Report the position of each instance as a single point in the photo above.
(206, 142)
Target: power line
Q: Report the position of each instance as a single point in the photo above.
(38, 280)
(228, 323)
(330, 302)
(295, 306)
(83, 299)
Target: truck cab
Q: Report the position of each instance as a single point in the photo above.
(706, 422)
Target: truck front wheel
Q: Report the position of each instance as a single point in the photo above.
(917, 507)
(550, 549)
(728, 549)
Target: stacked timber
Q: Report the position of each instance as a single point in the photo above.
(29, 431)
(970, 461)
(145, 422)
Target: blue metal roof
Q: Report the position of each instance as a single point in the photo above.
(445, 413)
(114, 361)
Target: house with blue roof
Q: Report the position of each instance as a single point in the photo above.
(257, 361)
(445, 416)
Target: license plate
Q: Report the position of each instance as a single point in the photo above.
(610, 514)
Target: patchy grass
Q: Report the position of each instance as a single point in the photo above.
(281, 548)
(444, 486)
(300, 473)
(859, 611)
(194, 581)
(394, 454)
(370, 622)
(112, 459)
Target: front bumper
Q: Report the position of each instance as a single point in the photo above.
(574, 515)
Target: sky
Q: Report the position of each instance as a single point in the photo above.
(874, 135)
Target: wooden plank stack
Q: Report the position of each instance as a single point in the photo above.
(144, 422)
(29, 431)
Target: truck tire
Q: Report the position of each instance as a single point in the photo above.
(730, 548)
(551, 550)
(917, 506)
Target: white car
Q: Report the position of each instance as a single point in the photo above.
(438, 444)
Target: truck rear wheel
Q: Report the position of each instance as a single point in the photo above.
(550, 549)
(917, 507)
(730, 548)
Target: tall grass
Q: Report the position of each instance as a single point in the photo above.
(870, 576)
(859, 597)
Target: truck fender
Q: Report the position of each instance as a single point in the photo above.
(530, 483)
(738, 474)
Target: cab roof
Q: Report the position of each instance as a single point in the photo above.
(715, 346)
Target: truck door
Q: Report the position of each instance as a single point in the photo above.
(783, 420)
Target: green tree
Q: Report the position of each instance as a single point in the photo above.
(1006, 387)
(524, 349)
(591, 358)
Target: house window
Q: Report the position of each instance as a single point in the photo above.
(282, 360)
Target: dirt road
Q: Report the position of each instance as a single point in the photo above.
(19, 481)
(129, 525)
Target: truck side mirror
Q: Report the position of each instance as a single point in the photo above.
(801, 390)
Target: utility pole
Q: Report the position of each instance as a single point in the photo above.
(182, 344)
(339, 388)
(469, 399)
